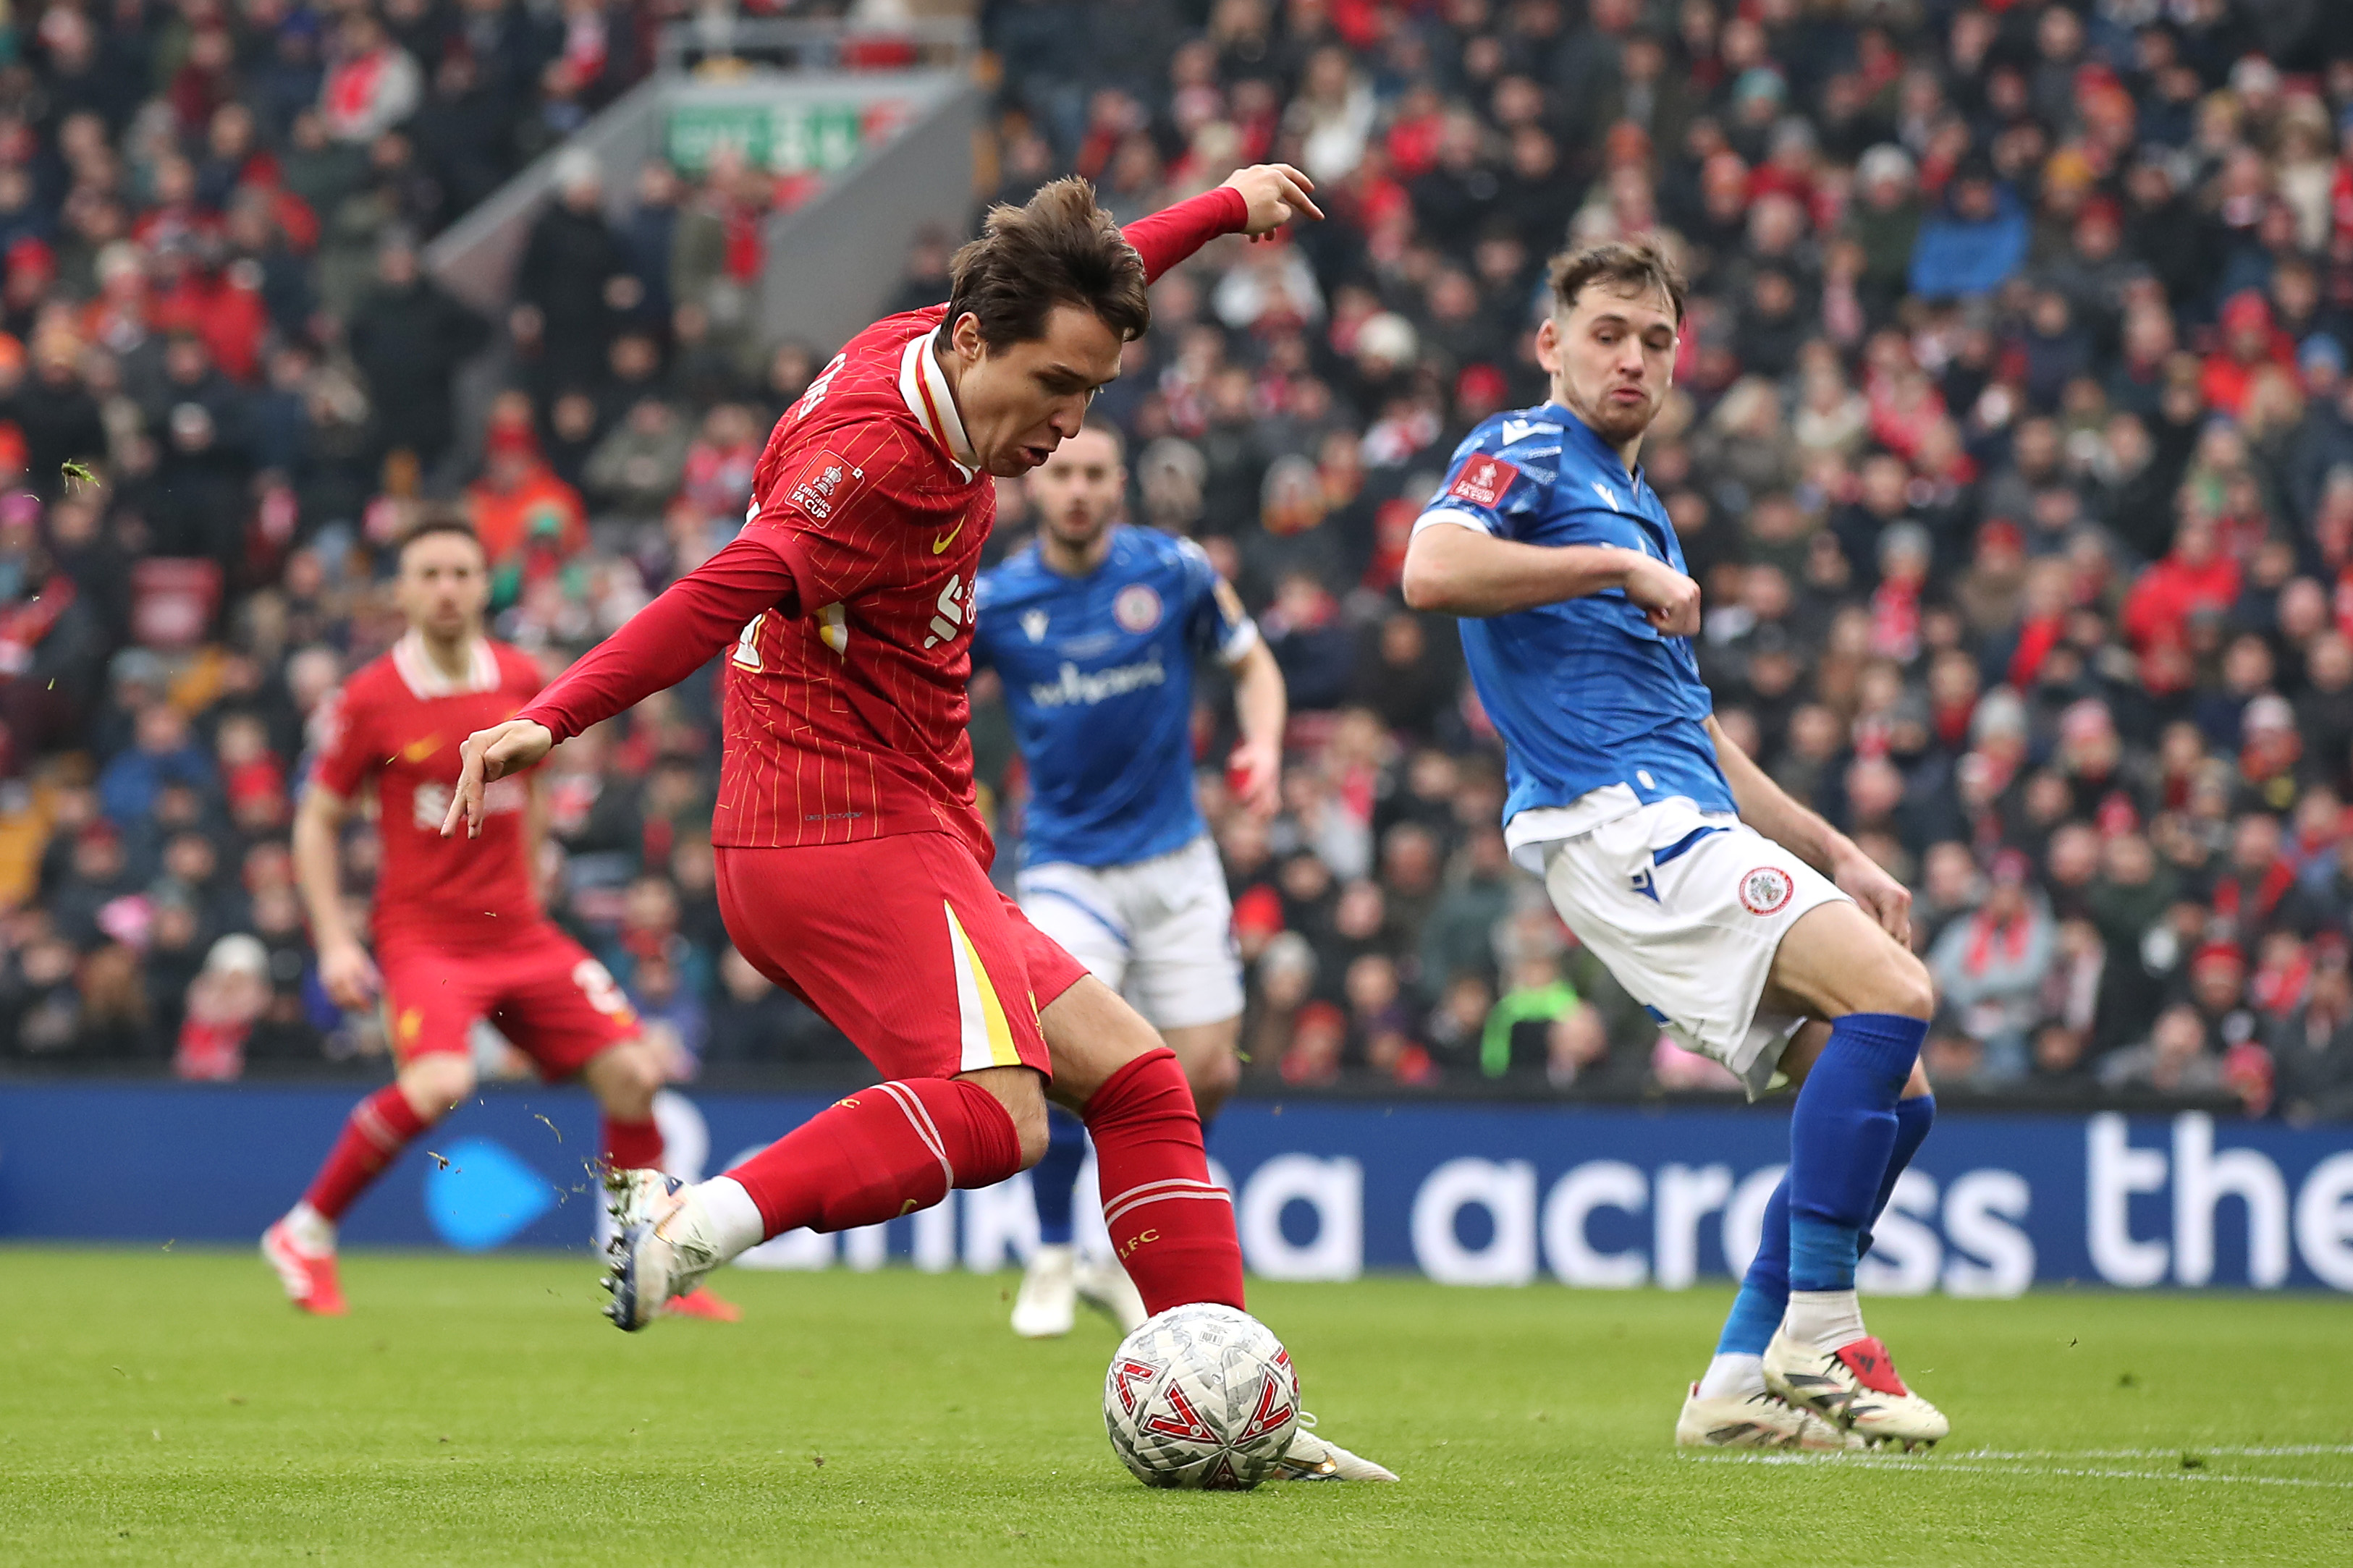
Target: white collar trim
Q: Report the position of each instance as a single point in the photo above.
(424, 678)
(923, 387)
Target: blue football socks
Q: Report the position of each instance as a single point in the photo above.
(1056, 1173)
(1843, 1136)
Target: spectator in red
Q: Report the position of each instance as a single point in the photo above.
(2196, 576)
(519, 498)
(2250, 341)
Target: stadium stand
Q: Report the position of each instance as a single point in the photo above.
(2013, 446)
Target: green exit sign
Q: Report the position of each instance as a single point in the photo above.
(785, 137)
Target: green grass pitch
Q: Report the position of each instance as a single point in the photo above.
(168, 1408)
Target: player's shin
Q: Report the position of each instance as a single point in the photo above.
(1170, 1225)
(632, 1145)
(377, 1130)
(880, 1153)
(1843, 1136)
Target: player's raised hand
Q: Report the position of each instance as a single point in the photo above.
(1882, 897)
(488, 755)
(1668, 599)
(349, 975)
(1276, 193)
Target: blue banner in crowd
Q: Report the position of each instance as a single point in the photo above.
(1468, 1194)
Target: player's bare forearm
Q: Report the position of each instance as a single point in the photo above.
(1262, 708)
(318, 871)
(1463, 571)
(1768, 808)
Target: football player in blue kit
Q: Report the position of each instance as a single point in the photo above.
(1094, 630)
(1750, 928)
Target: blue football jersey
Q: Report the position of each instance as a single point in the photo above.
(1098, 672)
(1586, 693)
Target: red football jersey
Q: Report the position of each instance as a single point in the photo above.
(398, 723)
(846, 707)
(847, 720)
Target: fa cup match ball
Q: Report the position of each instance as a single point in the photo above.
(1201, 1396)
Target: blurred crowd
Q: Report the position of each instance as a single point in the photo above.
(2012, 445)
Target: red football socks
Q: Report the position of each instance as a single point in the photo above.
(1172, 1227)
(632, 1145)
(378, 1129)
(883, 1153)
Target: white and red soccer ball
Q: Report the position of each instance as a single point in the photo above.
(1203, 1397)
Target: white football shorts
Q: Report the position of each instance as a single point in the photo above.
(1159, 931)
(1686, 908)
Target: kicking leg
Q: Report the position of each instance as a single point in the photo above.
(1835, 963)
(302, 1245)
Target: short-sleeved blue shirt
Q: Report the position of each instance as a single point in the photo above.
(1586, 692)
(1098, 673)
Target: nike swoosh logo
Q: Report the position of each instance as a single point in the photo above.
(944, 541)
(417, 750)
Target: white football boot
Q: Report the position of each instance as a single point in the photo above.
(1311, 1459)
(1104, 1286)
(660, 1250)
(1048, 1302)
(1760, 1420)
(1856, 1387)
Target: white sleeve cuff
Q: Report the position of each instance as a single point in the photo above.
(1454, 515)
(1237, 647)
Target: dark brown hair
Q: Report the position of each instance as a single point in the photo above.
(1634, 267)
(440, 521)
(1060, 248)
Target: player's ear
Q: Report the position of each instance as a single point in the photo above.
(964, 337)
(1548, 341)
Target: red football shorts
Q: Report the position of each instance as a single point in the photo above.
(903, 944)
(544, 992)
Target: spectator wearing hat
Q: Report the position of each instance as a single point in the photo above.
(518, 505)
(1990, 964)
(2251, 342)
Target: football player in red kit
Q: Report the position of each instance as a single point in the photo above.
(458, 935)
(853, 863)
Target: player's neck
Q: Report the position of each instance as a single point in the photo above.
(1069, 560)
(1627, 450)
(452, 657)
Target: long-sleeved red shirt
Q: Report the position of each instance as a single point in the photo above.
(847, 598)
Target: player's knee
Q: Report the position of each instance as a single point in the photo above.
(1900, 984)
(433, 1084)
(632, 1076)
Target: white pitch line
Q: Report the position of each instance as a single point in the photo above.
(1966, 1466)
(2286, 1451)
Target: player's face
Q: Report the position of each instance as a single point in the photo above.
(1020, 401)
(1079, 488)
(1613, 357)
(443, 585)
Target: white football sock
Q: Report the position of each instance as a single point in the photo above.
(311, 1231)
(1824, 1319)
(728, 1222)
(1733, 1377)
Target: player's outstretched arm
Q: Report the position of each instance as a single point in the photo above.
(659, 647)
(1768, 808)
(1255, 201)
(1464, 572)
